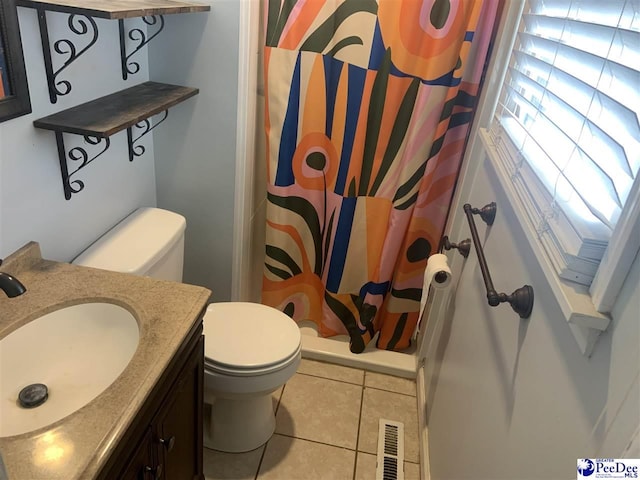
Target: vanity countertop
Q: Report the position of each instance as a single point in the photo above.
(77, 446)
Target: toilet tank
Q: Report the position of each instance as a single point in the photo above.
(148, 242)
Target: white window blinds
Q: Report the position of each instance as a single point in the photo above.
(569, 116)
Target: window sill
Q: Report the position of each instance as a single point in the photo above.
(585, 322)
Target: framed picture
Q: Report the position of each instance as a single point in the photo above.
(14, 90)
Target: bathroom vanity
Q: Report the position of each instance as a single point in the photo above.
(165, 439)
(146, 424)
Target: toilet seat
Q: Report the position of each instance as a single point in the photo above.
(249, 339)
(212, 366)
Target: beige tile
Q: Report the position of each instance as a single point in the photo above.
(377, 404)
(390, 383)
(295, 459)
(366, 468)
(226, 466)
(321, 410)
(332, 371)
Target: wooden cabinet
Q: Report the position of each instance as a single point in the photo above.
(140, 460)
(178, 426)
(165, 440)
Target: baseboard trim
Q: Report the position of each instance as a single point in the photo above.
(425, 471)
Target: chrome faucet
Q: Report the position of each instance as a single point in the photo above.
(11, 285)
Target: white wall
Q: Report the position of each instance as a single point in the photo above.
(510, 398)
(195, 164)
(515, 399)
(32, 203)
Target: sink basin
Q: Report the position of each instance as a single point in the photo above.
(77, 352)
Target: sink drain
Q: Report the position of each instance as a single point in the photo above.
(33, 395)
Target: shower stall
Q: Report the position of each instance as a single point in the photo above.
(250, 212)
(250, 217)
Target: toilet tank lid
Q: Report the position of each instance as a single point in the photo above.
(136, 243)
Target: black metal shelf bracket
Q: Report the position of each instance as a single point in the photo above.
(83, 26)
(146, 126)
(140, 37)
(76, 154)
(521, 300)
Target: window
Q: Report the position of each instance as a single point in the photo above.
(568, 119)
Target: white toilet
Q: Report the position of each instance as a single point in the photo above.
(251, 350)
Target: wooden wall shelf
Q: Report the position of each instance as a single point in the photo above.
(113, 113)
(98, 119)
(116, 9)
(82, 25)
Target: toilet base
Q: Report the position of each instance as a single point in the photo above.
(240, 424)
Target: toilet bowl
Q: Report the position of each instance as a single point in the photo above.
(251, 350)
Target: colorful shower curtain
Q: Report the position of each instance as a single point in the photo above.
(368, 105)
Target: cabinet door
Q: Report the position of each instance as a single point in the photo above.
(178, 427)
(142, 464)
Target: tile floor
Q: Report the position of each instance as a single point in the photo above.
(327, 428)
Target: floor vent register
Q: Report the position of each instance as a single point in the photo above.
(390, 460)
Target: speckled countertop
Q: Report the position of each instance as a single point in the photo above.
(83, 441)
